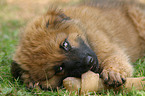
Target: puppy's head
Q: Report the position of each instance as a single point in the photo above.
(53, 47)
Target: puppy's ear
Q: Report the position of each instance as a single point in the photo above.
(56, 17)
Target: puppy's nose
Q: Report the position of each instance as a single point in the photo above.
(89, 60)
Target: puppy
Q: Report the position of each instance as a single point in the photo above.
(67, 43)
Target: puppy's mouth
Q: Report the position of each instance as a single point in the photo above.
(91, 67)
(95, 66)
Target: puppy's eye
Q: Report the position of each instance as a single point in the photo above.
(65, 45)
(59, 69)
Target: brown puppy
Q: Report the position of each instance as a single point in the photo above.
(69, 43)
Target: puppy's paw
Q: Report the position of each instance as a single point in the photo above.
(30, 84)
(113, 78)
(44, 85)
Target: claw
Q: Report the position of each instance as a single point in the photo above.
(105, 81)
(123, 80)
(31, 85)
(101, 76)
(118, 84)
(112, 78)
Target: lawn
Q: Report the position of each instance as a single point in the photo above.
(14, 16)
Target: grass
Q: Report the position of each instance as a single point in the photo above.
(9, 29)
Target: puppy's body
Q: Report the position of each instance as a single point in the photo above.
(114, 26)
(116, 36)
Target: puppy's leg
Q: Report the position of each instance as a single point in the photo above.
(113, 61)
(23, 75)
(115, 65)
(115, 69)
(51, 83)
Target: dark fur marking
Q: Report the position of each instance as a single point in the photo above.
(47, 24)
(59, 19)
(16, 70)
(62, 17)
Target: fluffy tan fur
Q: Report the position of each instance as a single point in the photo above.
(116, 35)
